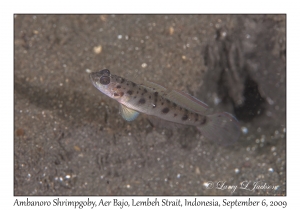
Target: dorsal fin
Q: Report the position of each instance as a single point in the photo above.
(153, 86)
(182, 99)
(187, 101)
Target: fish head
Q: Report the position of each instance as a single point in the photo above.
(102, 81)
(106, 83)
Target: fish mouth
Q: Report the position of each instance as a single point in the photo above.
(94, 77)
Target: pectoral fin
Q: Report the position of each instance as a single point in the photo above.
(128, 114)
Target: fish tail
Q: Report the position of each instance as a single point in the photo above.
(222, 128)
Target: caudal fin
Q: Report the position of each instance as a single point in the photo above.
(222, 128)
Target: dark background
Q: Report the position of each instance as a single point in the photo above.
(70, 140)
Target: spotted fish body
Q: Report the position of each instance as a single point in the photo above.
(171, 105)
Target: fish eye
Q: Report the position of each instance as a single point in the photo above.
(105, 72)
(104, 80)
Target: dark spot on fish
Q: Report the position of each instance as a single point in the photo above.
(162, 103)
(168, 101)
(145, 90)
(137, 92)
(121, 94)
(165, 110)
(122, 80)
(118, 86)
(175, 115)
(174, 104)
(196, 117)
(155, 98)
(139, 88)
(127, 84)
(180, 108)
(116, 94)
(203, 120)
(134, 97)
(149, 97)
(142, 101)
(130, 92)
(185, 117)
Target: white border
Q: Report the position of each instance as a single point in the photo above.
(154, 6)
